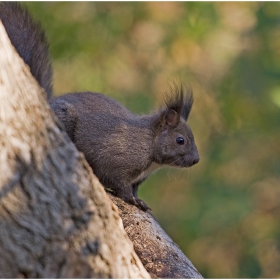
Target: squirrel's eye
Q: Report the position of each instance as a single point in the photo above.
(180, 140)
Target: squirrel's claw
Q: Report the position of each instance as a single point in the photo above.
(141, 204)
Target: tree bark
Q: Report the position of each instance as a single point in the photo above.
(161, 257)
(55, 218)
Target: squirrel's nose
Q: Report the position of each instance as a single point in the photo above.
(196, 160)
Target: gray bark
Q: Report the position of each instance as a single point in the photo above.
(55, 218)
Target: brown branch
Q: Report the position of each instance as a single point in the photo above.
(161, 257)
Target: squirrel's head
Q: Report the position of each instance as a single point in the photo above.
(174, 141)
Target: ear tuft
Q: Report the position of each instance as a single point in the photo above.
(179, 99)
(188, 102)
(174, 99)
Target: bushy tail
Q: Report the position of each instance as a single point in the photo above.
(29, 40)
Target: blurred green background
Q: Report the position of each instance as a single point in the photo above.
(224, 212)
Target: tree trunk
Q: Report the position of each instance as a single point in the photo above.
(55, 218)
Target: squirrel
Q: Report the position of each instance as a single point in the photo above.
(122, 148)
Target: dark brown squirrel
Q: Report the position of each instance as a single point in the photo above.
(122, 148)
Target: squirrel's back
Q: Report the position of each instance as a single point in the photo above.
(29, 40)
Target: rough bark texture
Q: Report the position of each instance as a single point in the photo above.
(55, 218)
(161, 257)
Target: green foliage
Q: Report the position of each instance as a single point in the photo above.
(224, 212)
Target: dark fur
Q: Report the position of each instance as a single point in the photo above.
(29, 40)
(120, 147)
(179, 100)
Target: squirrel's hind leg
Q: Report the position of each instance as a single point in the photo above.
(140, 203)
(127, 193)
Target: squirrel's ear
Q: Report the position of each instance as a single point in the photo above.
(169, 118)
(180, 99)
